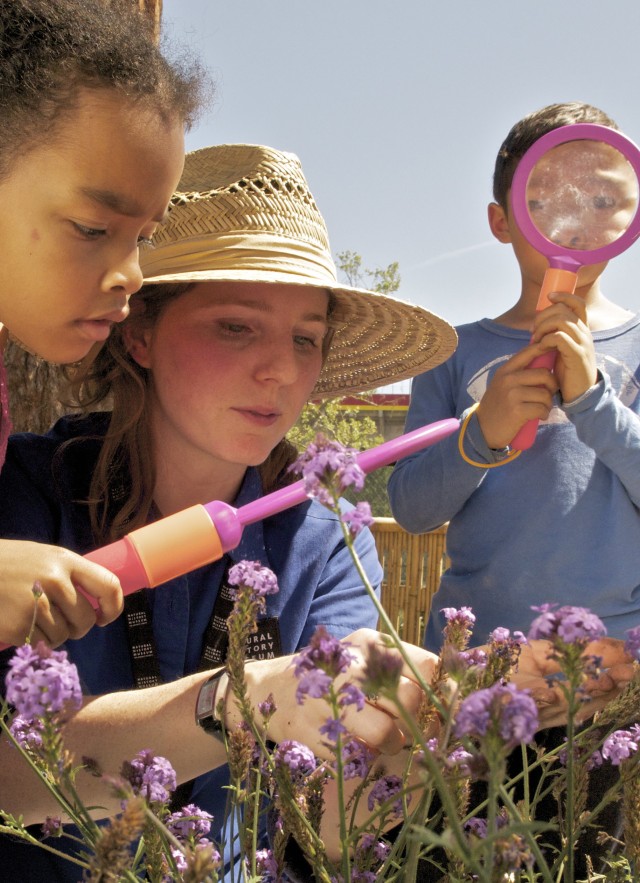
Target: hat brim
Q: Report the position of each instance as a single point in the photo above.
(377, 339)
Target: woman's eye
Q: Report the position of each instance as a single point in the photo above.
(305, 342)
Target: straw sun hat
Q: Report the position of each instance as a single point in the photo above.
(244, 212)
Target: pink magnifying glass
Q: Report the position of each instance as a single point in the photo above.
(574, 198)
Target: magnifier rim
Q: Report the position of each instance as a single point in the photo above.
(562, 135)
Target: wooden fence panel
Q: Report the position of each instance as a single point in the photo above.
(412, 568)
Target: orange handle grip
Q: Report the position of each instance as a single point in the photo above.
(555, 279)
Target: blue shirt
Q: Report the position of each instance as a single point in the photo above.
(304, 546)
(559, 524)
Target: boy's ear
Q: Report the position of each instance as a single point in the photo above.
(136, 338)
(498, 222)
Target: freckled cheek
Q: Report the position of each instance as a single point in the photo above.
(35, 235)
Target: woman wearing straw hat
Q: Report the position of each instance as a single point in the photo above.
(240, 322)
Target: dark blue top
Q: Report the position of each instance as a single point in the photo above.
(40, 487)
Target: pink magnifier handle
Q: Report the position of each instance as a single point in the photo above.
(555, 279)
(200, 535)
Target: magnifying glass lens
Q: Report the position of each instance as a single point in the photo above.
(582, 194)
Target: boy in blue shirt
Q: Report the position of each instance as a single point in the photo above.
(533, 530)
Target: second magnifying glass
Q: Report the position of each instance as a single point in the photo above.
(574, 197)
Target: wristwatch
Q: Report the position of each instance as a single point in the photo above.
(207, 715)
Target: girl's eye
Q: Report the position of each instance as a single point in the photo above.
(88, 232)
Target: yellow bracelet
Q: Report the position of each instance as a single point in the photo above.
(511, 456)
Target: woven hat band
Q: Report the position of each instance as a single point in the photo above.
(253, 253)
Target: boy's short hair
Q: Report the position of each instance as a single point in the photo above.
(527, 131)
(51, 49)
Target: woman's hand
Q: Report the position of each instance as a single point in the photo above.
(377, 724)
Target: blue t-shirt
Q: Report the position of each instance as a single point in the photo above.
(318, 585)
(560, 523)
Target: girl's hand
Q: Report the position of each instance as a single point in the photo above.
(563, 327)
(62, 611)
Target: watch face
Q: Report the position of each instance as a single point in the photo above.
(206, 699)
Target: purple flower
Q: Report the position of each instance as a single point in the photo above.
(332, 728)
(477, 826)
(27, 733)
(474, 658)
(266, 865)
(459, 759)
(356, 759)
(462, 616)
(386, 788)
(358, 518)
(297, 757)
(314, 683)
(503, 709)
(621, 745)
(318, 664)
(151, 776)
(52, 827)
(42, 681)
(569, 624)
(189, 822)
(327, 468)
(503, 636)
(632, 642)
(255, 576)
(349, 694)
(268, 708)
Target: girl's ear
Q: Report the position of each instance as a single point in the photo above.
(498, 222)
(137, 337)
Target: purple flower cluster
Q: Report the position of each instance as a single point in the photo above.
(327, 468)
(150, 776)
(621, 745)
(27, 733)
(569, 624)
(190, 822)
(266, 865)
(298, 758)
(356, 759)
(318, 664)
(379, 848)
(357, 518)
(632, 643)
(42, 681)
(510, 713)
(386, 788)
(255, 576)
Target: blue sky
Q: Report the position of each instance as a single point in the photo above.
(397, 109)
